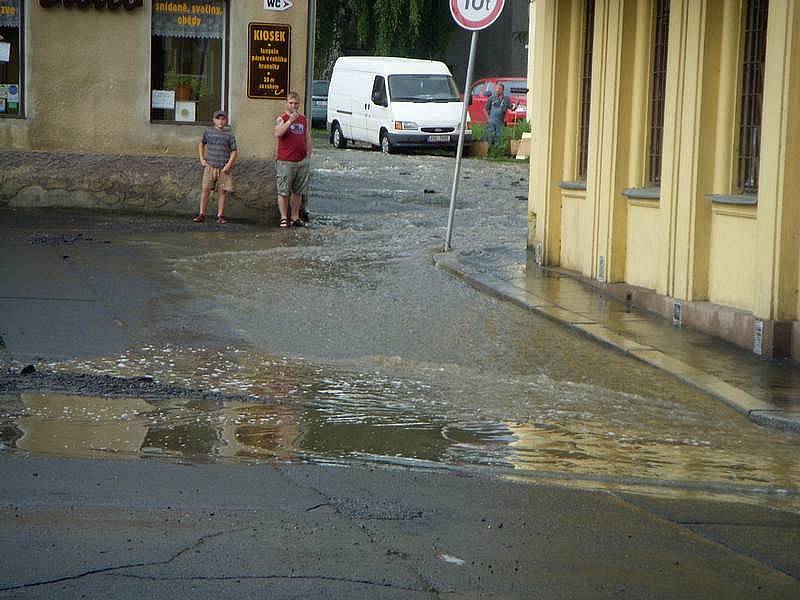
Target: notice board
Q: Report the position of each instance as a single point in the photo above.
(269, 48)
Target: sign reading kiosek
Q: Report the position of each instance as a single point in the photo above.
(268, 50)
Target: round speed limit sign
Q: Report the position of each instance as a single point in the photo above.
(476, 14)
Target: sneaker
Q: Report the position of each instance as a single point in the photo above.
(199, 218)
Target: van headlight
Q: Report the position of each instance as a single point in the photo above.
(405, 125)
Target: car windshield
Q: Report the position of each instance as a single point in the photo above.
(423, 88)
(320, 88)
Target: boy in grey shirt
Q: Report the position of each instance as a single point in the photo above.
(218, 152)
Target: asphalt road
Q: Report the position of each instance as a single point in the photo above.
(343, 525)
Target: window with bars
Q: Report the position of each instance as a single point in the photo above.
(658, 82)
(586, 90)
(754, 44)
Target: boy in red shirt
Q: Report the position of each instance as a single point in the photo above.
(292, 168)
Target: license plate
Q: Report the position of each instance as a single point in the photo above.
(438, 138)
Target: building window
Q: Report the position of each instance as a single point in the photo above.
(586, 90)
(658, 83)
(754, 43)
(188, 58)
(11, 55)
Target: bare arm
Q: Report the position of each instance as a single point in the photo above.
(281, 126)
(201, 149)
(229, 165)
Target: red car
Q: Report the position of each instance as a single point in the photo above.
(516, 87)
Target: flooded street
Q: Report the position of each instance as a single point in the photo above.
(343, 341)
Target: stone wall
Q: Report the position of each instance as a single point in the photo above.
(148, 184)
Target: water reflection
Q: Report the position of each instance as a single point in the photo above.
(200, 430)
(403, 411)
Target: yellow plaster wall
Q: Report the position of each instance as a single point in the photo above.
(576, 228)
(643, 244)
(733, 257)
(88, 83)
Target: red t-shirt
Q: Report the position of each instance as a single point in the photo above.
(292, 144)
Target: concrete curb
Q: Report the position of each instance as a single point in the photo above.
(757, 410)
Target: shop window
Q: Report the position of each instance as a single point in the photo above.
(586, 90)
(754, 44)
(11, 40)
(188, 60)
(658, 82)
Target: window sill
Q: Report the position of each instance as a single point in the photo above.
(190, 123)
(647, 193)
(734, 199)
(573, 185)
(8, 116)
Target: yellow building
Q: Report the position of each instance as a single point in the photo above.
(144, 77)
(666, 158)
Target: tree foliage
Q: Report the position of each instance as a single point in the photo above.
(410, 28)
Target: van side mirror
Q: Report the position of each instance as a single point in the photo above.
(379, 99)
(469, 100)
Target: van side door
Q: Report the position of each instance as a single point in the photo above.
(377, 114)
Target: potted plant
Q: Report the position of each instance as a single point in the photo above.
(187, 87)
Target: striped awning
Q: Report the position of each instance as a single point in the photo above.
(200, 19)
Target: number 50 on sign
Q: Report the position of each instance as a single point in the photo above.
(476, 14)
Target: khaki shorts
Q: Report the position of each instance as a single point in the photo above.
(292, 177)
(213, 178)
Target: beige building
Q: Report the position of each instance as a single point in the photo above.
(143, 77)
(666, 158)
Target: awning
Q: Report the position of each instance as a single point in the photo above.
(189, 19)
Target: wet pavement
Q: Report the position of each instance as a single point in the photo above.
(344, 345)
(343, 340)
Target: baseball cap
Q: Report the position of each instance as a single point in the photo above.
(220, 113)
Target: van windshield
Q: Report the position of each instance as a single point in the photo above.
(423, 88)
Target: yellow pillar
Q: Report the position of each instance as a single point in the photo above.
(778, 221)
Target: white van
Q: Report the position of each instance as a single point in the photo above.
(394, 103)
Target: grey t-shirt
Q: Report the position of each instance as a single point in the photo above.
(219, 145)
(497, 108)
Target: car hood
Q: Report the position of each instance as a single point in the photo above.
(428, 113)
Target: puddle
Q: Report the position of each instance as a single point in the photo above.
(406, 414)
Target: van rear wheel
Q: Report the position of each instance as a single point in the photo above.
(386, 147)
(337, 137)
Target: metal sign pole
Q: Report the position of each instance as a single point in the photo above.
(459, 151)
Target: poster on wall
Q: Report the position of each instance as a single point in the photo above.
(268, 60)
(5, 52)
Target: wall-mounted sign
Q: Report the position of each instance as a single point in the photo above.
(98, 4)
(201, 19)
(278, 4)
(9, 13)
(269, 48)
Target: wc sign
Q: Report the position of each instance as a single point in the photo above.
(476, 14)
(278, 4)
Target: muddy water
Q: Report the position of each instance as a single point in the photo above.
(352, 345)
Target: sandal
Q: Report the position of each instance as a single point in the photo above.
(199, 219)
(284, 223)
(298, 223)
(221, 220)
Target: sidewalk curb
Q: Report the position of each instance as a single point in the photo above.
(757, 410)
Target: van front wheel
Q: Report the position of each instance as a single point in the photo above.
(337, 138)
(386, 147)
